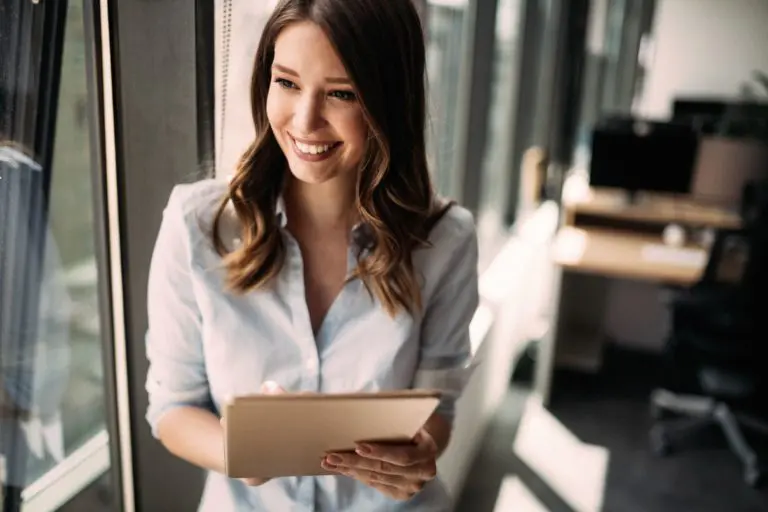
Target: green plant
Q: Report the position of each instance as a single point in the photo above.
(748, 118)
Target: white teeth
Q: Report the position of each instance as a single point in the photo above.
(310, 149)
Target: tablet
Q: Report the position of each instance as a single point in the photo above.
(269, 436)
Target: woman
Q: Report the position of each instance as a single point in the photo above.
(330, 265)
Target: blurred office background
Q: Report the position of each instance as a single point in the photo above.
(605, 147)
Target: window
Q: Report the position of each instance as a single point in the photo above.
(446, 34)
(498, 166)
(612, 66)
(52, 401)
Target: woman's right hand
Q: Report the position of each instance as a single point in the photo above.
(268, 388)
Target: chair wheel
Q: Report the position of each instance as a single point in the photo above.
(660, 443)
(753, 476)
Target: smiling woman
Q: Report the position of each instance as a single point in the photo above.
(326, 264)
(312, 107)
(379, 145)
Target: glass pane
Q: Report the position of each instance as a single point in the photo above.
(497, 167)
(445, 51)
(72, 225)
(51, 374)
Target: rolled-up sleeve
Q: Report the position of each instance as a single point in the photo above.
(446, 352)
(176, 375)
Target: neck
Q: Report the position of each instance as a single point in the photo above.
(325, 207)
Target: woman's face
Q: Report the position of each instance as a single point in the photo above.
(312, 107)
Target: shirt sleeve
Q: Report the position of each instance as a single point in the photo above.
(446, 351)
(176, 375)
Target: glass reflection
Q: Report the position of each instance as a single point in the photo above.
(51, 374)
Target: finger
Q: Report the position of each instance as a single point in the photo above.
(425, 440)
(395, 485)
(255, 482)
(399, 455)
(271, 387)
(422, 471)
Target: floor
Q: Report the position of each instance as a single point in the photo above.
(610, 412)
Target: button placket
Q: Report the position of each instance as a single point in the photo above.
(301, 320)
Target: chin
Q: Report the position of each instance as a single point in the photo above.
(311, 176)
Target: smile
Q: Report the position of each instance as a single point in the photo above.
(314, 152)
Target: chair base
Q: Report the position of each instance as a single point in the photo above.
(697, 413)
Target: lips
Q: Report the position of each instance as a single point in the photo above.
(313, 151)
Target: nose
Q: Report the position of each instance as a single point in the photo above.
(308, 115)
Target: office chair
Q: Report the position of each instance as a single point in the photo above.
(716, 350)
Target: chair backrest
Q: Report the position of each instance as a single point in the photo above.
(740, 257)
(728, 258)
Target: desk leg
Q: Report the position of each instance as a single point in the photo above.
(576, 334)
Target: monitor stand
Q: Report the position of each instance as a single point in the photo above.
(629, 198)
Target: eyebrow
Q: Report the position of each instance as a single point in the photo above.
(331, 80)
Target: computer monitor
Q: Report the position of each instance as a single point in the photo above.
(686, 109)
(644, 156)
(712, 115)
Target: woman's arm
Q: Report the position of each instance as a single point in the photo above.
(195, 435)
(180, 406)
(445, 360)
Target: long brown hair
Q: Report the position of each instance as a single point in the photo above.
(381, 44)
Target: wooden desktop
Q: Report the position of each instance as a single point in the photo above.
(617, 250)
(603, 237)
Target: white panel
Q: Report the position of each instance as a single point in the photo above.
(237, 33)
(704, 47)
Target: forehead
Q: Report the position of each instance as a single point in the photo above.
(306, 49)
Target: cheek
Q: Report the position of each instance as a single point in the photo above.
(276, 114)
(356, 131)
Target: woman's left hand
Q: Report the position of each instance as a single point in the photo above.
(399, 471)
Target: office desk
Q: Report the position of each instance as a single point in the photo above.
(621, 254)
(650, 208)
(602, 239)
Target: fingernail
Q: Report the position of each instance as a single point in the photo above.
(334, 459)
(363, 449)
(270, 387)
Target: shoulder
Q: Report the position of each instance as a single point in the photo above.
(192, 207)
(452, 245)
(197, 200)
(455, 229)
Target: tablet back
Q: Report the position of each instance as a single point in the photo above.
(269, 436)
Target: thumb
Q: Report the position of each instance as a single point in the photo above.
(425, 442)
(271, 388)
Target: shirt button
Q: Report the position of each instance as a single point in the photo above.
(311, 364)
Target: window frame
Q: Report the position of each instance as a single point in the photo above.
(163, 138)
(42, 37)
(476, 102)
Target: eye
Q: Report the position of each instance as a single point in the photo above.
(343, 95)
(285, 84)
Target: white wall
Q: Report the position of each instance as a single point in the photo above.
(704, 47)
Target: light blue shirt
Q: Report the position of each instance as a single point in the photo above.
(205, 344)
